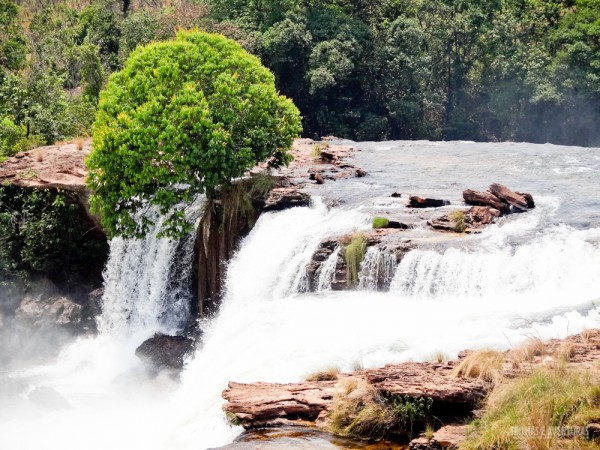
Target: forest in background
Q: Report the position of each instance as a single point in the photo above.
(524, 70)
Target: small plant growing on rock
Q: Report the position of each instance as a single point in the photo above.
(233, 419)
(429, 432)
(39, 155)
(410, 411)
(354, 254)
(380, 222)
(79, 144)
(458, 220)
(439, 357)
(316, 151)
(527, 351)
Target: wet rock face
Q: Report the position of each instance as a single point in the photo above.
(165, 352)
(285, 197)
(43, 311)
(385, 249)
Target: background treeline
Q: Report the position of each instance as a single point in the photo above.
(361, 69)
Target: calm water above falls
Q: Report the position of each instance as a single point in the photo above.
(532, 274)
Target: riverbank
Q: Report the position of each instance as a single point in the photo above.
(438, 399)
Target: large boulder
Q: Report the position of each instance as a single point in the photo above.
(41, 311)
(165, 352)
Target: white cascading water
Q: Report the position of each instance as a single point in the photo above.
(326, 272)
(531, 274)
(262, 334)
(97, 383)
(376, 265)
(147, 281)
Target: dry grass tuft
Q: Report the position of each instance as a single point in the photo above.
(329, 374)
(484, 365)
(439, 357)
(359, 411)
(38, 154)
(565, 352)
(458, 221)
(587, 335)
(79, 143)
(317, 150)
(527, 351)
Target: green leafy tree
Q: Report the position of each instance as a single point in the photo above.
(183, 117)
(13, 46)
(12, 138)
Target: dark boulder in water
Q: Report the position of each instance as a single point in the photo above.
(423, 202)
(165, 352)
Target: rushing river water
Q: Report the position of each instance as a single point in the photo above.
(532, 274)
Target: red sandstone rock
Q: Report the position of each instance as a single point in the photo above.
(479, 216)
(447, 437)
(54, 166)
(478, 198)
(267, 404)
(512, 198)
(427, 380)
(260, 404)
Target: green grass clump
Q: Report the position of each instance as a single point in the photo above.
(354, 254)
(261, 185)
(458, 219)
(380, 222)
(540, 411)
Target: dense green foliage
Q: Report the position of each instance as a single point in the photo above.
(181, 118)
(368, 69)
(47, 231)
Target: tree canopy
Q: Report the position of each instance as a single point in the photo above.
(181, 118)
(525, 70)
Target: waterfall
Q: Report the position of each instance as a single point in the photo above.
(147, 281)
(530, 274)
(377, 269)
(557, 262)
(326, 271)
